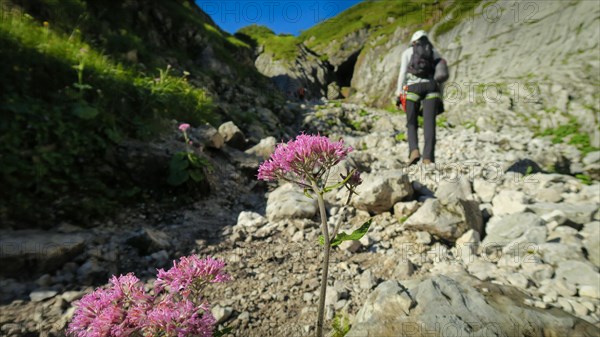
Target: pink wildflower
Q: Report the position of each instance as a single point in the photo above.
(183, 127)
(180, 319)
(188, 272)
(305, 156)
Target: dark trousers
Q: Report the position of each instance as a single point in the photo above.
(431, 107)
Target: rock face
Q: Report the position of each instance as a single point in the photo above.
(440, 304)
(306, 70)
(379, 192)
(288, 202)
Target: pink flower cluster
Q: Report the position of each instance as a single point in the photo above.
(183, 127)
(187, 275)
(126, 309)
(307, 156)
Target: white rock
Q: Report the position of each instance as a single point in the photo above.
(220, 313)
(446, 221)
(288, 202)
(264, 148)
(503, 230)
(40, 295)
(591, 291)
(484, 189)
(550, 297)
(232, 135)
(565, 304)
(380, 192)
(577, 272)
(351, 246)
(466, 246)
(423, 238)
(518, 280)
(366, 280)
(405, 209)
(250, 219)
(578, 308)
(450, 190)
(509, 202)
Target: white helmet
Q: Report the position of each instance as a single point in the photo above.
(417, 35)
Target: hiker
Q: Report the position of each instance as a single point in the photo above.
(419, 89)
(301, 93)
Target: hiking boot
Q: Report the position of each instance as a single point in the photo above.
(427, 162)
(414, 157)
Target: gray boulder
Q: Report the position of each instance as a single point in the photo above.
(509, 202)
(289, 202)
(578, 272)
(577, 214)
(379, 192)
(503, 230)
(264, 148)
(40, 251)
(442, 306)
(149, 240)
(591, 241)
(484, 189)
(450, 190)
(449, 221)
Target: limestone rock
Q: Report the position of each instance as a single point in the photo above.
(503, 230)
(509, 202)
(380, 192)
(441, 301)
(453, 190)
(578, 272)
(446, 221)
(591, 241)
(232, 135)
(288, 202)
(578, 214)
(264, 148)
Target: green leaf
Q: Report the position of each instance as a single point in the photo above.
(113, 135)
(220, 333)
(82, 86)
(307, 193)
(196, 175)
(321, 240)
(84, 111)
(356, 235)
(179, 162)
(177, 178)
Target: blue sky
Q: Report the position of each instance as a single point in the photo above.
(281, 16)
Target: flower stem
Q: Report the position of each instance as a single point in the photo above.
(326, 249)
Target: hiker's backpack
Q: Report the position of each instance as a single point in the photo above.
(421, 62)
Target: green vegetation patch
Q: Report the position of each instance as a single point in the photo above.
(64, 107)
(281, 47)
(572, 132)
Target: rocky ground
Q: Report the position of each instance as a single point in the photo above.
(481, 242)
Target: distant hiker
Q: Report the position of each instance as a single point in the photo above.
(417, 86)
(301, 93)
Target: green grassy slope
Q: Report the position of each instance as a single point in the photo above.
(70, 92)
(380, 18)
(280, 46)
